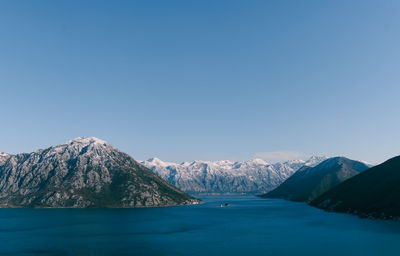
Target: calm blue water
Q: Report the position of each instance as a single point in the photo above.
(249, 226)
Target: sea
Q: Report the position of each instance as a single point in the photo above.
(248, 225)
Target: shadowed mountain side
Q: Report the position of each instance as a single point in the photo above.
(310, 182)
(375, 193)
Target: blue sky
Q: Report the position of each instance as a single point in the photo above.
(184, 80)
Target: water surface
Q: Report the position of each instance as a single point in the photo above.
(248, 226)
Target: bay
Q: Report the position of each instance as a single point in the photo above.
(248, 226)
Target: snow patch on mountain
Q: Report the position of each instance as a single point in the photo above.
(4, 157)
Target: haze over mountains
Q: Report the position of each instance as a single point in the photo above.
(84, 172)
(310, 182)
(226, 177)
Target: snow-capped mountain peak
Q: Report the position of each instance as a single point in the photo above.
(314, 160)
(258, 161)
(87, 141)
(154, 161)
(92, 147)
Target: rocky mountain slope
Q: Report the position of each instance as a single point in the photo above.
(373, 193)
(226, 177)
(84, 172)
(310, 182)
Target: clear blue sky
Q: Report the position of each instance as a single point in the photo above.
(184, 80)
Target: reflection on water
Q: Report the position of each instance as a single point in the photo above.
(249, 225)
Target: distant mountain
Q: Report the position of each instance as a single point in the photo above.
(375, 193)
(310, 182)
(84, 172)
(226, 177)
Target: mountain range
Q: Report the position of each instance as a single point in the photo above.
(84, 172)
(89, 172)
(227, 177)
(310, 182)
